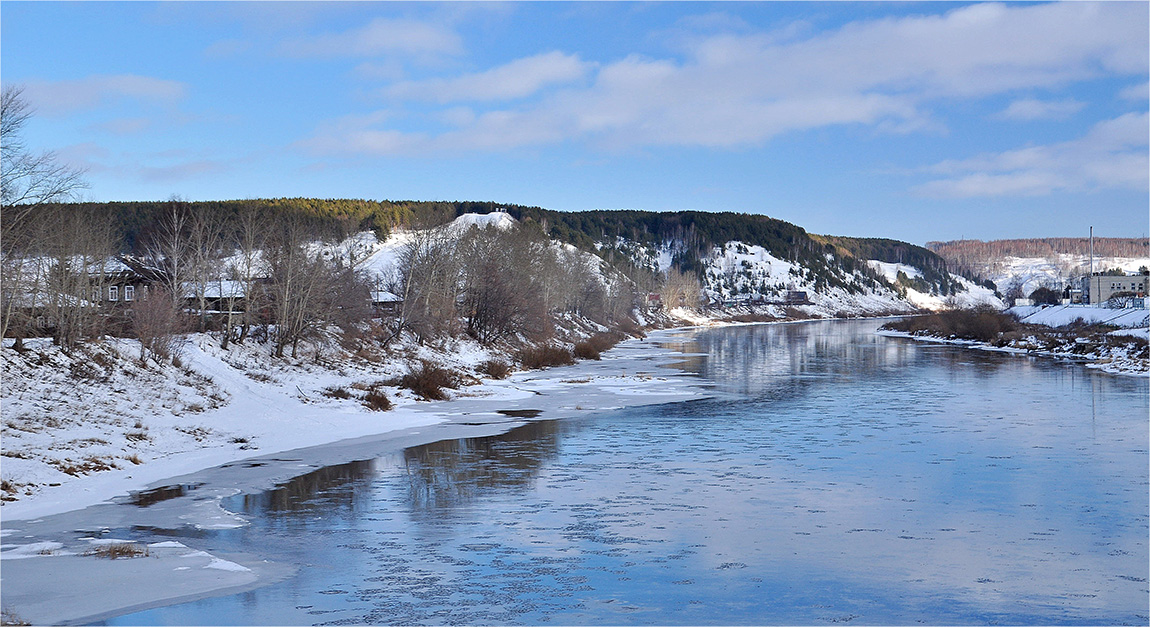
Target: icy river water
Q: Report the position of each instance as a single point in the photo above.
(836, 476)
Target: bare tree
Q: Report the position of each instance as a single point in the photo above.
(26, 179)
(680, 290)
(251, 230)
(205, 239)
(27, 182)
(156, 323)
(429, 284)
(169, 250)
(80, 245)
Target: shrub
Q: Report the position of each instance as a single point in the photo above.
(376, 400)
(429, 380)
(982, 324)
(496, 368)
(544, 357)
(586, 350)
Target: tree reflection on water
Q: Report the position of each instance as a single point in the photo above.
(440, 476)
(451, 473)
(337, 484)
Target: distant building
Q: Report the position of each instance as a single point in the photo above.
(1100, 287)
(384, 302)
(797, 297)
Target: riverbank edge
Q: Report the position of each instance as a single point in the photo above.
(1123, 368)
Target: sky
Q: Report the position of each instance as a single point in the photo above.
(913, 121)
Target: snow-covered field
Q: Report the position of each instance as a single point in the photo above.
(1061, 315)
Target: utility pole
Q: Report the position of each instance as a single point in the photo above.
(1090, 277)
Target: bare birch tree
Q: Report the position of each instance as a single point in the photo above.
(27, 181)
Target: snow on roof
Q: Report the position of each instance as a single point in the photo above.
(217, 289)
(383, 296)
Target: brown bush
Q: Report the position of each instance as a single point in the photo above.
(592, 347)
(429, 380)
(585, 350)
(496, 368)
(983, 324)
(376, 400)
(544, 357)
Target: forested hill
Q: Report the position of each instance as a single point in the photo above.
(933, 266)
(689, 237)
(697, 232)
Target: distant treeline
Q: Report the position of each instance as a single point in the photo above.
(971, 255)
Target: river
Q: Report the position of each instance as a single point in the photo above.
(835, 476)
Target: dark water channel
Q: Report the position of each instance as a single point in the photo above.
(843, 477)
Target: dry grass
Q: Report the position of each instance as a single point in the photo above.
(7, 617)
(119, 550)
(336, 392)
(83, 467)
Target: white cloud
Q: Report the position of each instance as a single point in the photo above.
(1136, 92)
(1031, 109)
(1113, 155)
(736, 90)
(227, 48)
(379, 37)
(124, 126)
(55, 98)
(517, 79)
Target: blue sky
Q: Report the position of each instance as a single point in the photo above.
(911, 121)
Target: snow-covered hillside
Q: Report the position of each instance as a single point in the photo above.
(1031, 273)
(744, 273)
(733, 273)
(973, 295)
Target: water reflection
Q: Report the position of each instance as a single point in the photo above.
(847, 477)
(338, 485)
(453, 473)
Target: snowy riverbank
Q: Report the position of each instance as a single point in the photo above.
(42, 550)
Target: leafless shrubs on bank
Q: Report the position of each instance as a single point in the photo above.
(546, 356)
(982, 324)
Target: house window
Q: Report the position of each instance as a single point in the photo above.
(96, 294)
(113, 292)
(129, 292)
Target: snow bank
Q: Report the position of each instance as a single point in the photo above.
(1061, 315)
